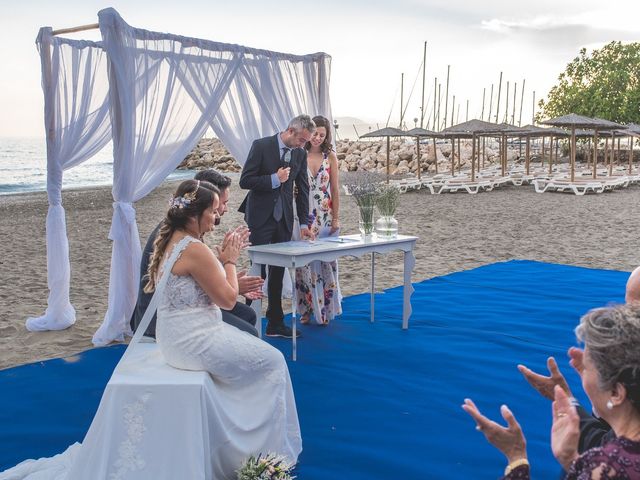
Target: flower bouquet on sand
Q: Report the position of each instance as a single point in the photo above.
(266, 467)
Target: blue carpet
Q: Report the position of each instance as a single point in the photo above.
(375, 401)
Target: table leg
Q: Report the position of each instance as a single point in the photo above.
(409, 263)
(294, 302)
(373, 285)
(256, 270)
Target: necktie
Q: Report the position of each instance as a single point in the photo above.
(277, 208)
(286, 155)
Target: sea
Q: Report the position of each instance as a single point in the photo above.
(23, 168)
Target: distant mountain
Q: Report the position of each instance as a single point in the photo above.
(351, 127)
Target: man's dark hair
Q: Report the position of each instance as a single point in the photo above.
(212, 176)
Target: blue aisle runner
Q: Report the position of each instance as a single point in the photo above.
(374, 401)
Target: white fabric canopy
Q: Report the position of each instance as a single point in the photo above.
(76, 112)
(165, 91)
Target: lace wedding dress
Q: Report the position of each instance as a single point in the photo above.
(252, 409)
(255, 398)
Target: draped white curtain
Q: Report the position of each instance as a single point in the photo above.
(164, 91)
(268, 91)
(76, 112)
(155, 125)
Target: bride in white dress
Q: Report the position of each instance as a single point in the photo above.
(255, 405)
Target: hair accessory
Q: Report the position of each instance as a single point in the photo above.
(609, 405)
(184, 200)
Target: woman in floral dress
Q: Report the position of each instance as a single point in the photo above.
(317, 287)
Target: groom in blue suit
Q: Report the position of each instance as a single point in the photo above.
(274, 164)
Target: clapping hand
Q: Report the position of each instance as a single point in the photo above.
(244, 234)
(250, 286)
(577, 358)
(230, 249)
(545, 385)
(565, 431)
(510, 440)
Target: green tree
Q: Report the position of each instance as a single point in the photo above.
(604, 84)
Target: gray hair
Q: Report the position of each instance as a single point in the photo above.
(612, 337)
(302, 122)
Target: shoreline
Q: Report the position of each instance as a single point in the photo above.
(456, 232)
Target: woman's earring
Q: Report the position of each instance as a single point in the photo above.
(609, 405)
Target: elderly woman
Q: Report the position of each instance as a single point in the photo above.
(610, 372)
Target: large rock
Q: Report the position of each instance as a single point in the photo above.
(358, 155)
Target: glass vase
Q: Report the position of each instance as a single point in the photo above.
(387, 227)
(366, 223)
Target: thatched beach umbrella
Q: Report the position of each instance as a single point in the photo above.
(574, 121)
(469, 129)
(508, 130)
(629, 131)
(633, 130)
(533, 131)
(385, 132)
(420, 133)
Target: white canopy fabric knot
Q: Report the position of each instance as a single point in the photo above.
(60, 314)
(124, 275)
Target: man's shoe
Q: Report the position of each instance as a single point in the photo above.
(280, 331)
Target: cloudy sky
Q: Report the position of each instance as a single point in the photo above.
(372, 42)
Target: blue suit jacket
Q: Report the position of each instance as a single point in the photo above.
(264, 160)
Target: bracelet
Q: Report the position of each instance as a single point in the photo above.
(228, 261)
(515, 464)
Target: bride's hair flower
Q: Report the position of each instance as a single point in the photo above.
(184, 200)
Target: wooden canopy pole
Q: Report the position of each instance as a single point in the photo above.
(453, 150)
(605, 148)
(595, 153)
(484, 152)
(418, 149)
(630, 153)
(573, 153)
(550, 154)
(81, 28)
(527, 153)
(435, 154)
(388, 159)
(473, 156)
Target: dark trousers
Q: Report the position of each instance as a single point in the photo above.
(273, 232)
(241, 316)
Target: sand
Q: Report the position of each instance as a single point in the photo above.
(456, 232)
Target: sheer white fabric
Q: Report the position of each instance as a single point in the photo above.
(155, 125)
(268, 91)
(77, 122)
(183, 85)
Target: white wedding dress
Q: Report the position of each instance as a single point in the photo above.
(251, 411)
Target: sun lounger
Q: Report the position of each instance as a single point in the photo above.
(578, 186)
(454, 185)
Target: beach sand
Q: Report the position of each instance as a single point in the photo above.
(456, 232)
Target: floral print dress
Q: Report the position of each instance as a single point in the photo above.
(317, 287)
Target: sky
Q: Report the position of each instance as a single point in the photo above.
(371, 42)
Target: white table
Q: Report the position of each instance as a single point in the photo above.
(296, 254)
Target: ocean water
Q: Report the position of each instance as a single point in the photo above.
(23, 168)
